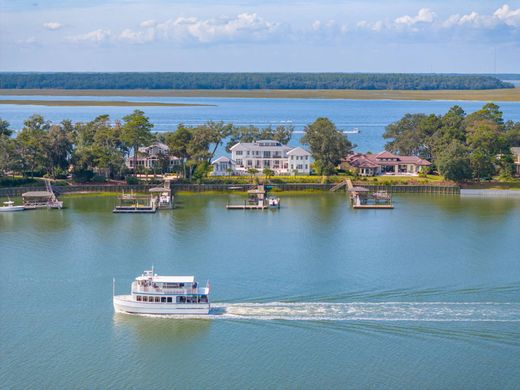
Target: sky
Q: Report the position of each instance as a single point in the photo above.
(260, 36)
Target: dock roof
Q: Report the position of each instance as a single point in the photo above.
(37, 194)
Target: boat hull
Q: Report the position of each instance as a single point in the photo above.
(11, 209)
(125, 304)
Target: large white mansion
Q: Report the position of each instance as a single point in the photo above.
(281, 159)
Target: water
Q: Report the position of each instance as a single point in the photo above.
(369, 116)
(312, 295)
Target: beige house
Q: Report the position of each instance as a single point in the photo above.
(516, 158)
(384, 163)
(149, 157)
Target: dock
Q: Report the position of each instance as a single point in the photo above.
(136, 204)
(362, 198)
(163, 196)
(257, 200)
(41, 199)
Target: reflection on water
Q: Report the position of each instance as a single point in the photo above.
(157, 330)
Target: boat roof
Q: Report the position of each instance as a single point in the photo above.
(169, 279)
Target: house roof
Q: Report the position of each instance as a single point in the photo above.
(223, 159)
(257, 144)
(299, 151)
(515, 150)
(360, 160)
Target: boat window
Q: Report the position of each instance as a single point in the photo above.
(169, 299)
(145, 299)
(163, 299)
(139, 298)
(157, 299)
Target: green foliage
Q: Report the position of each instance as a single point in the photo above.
(460, 146)
(186, 80)
(131, 180)
(136, 131)
(280, 133)
(4, 128)
(328, 145)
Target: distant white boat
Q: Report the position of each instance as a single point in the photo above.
(355, 130)
(9, 206)
(155, 294)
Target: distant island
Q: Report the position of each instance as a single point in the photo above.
(250, 81)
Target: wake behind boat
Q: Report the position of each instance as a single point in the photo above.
(155, 294)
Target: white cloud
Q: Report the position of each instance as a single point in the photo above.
(245, 26)
(425, 15)
(508, 16)
(96, 36)
(52, 26)
(148, 23)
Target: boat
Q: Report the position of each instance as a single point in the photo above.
(9, 206)
(274, 202)
(164, 295)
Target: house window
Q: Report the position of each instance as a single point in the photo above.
(239, 161)
(249, 163)
(239, 152)
(169, 299)
(139, 298)
(267, 154)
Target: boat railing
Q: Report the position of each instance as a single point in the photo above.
(172, 291)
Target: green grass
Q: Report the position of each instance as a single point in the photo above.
(508, 94)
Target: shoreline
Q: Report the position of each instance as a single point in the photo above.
(499, 95)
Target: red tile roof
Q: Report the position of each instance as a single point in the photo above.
(361, 160)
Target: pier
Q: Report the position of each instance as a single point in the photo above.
(136, 204)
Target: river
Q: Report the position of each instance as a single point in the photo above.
(314, 295)
(368, 116)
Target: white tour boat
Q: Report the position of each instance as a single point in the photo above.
(9, 206)
(155, 294)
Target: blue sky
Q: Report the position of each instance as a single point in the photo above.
(241, 35)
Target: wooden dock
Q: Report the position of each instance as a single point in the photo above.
(359, 197)
(246, 206)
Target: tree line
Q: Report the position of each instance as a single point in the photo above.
(460, 146)
(99, 147)
(167, 80)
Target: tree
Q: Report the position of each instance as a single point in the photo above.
(411, 135)
(216, 132)
(453, 163)
(178, 143)
(328, 145)
(136, 132)
(268, 173)
(4, 128)
(30, 144)
(58, 147)
(252, 173)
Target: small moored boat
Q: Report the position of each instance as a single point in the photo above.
(9, 206)
(156, 294)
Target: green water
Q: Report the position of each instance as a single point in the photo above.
(314, 295)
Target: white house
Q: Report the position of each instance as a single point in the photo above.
(281, 159)
(223, 166)
(149, 157)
